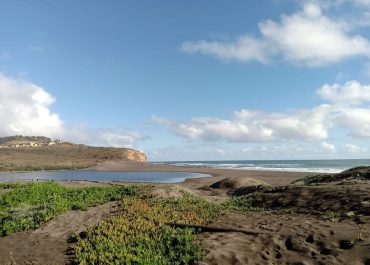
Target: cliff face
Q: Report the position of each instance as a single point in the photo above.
(134, 155)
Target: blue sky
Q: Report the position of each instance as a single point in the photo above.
(190, 80)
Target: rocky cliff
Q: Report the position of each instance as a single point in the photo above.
(134, 155)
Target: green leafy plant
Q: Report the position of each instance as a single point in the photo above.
(141, 234)
(241, 203)
(27, 206)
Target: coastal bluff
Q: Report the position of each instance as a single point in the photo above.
(24, 153)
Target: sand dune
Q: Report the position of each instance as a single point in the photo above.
(290, 239)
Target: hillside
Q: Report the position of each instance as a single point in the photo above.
(59, 155)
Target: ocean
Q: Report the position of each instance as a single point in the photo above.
(319, 166)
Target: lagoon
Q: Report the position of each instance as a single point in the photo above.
(101, 176)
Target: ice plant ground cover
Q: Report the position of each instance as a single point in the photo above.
(27, 206)
(142, 231)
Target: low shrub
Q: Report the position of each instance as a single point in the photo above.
(27, 206)
(241, 203)
(141, 234)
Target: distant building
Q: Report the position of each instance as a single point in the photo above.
(42, 142)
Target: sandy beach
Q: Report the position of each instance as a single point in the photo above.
(270, 177)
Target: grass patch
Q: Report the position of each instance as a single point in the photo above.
(43, 167)
(27, 206)
(139, 235)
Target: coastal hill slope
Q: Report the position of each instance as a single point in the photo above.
(42, 153)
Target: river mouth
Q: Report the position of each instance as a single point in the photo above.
(102, 176)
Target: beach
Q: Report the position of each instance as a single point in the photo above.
(268, 176)
(289, 224)
(314, 226)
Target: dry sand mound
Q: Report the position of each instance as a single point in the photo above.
(288, 239)
(224, 185)
(236, 182)
(338, 199)
(322, 199)
(166, 191)
(255, 188)
(353, 175)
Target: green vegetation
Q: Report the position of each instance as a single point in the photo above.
(141, 234)
(8, 185)
(241, 203)
(12, 168)
(27, 206)
(333, 216)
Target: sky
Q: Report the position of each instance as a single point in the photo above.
(190, 80)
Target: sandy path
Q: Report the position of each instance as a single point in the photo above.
(47, 245)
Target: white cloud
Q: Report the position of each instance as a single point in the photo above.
(357, 120)
(355, 149)
(220, 151)
(25, 109)
(114, 138)
(328, 148)
(297, 150)
(351, 93)
(243, 49)
(347, 109)
(307, 36)
(331, 3)
(349, 106)
(253, 126)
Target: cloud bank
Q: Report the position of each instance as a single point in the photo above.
(307, 37)
(346, 107)
(25, 109)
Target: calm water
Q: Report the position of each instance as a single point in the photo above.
(320, 166)
(160, 177)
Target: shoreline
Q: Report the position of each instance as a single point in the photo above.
(269, 176)
(272, 177)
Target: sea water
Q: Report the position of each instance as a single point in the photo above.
(319, 166)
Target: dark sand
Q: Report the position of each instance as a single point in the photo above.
(289, 239)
